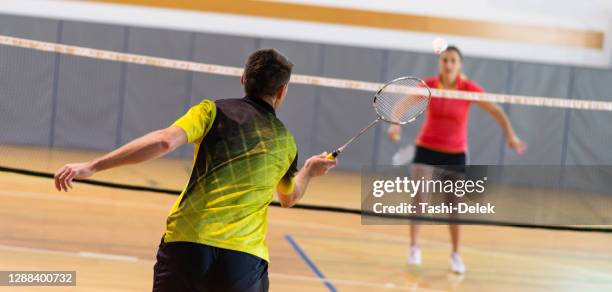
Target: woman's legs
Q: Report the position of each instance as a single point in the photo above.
(418, 171)
(456, 262)
(454, 234)
(414, 252)
(429, 164)
(415, 230)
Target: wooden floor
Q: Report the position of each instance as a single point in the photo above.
(110, 236)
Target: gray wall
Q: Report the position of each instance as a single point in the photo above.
(62, 101)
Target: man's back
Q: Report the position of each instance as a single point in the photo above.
(239, 160)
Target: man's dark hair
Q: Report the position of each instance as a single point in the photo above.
(265, 71)
(455, 49)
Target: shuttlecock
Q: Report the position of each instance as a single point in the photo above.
(439, 45)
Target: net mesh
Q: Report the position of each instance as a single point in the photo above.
(61, 104)
(402, 100)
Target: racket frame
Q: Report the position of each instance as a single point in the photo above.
(380, 117)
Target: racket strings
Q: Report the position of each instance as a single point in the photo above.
(402, 100)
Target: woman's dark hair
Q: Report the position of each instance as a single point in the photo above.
(265, 71)
(452, 48)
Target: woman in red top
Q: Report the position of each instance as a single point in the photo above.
(443, 138)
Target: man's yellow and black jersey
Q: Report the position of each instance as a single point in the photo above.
(242, 152)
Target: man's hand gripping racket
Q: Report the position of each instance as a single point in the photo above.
(399, 102)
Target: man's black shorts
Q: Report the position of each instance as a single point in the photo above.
(187, 266)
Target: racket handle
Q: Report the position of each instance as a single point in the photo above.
(332, 156)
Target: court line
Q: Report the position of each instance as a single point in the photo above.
(84, 254)
(374, 234)
(106, 256)
(482, 251)
(126, 258)
(389, 286)
(79, 199)
(115, 257)
(310, 263)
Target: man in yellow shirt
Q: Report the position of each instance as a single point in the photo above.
(215, 233)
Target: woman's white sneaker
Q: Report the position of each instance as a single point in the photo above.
(456, 263)
(414, 256)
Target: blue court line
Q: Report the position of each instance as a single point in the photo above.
(310, 263)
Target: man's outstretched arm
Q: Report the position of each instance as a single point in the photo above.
(150, 146)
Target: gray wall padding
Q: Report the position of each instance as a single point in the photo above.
(27, 83)
(71, 102)
(90, 82)
(589, 136)
(484, 135)
(342, 113)
(154, 97)
(543, 126)
(221, 50)
(299, 108)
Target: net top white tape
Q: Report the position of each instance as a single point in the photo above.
(296, 78)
